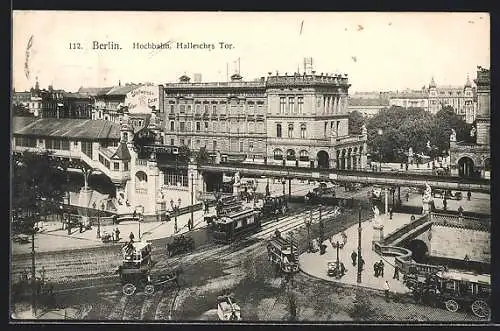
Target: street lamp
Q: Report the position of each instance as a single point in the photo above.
(191, 220)
(308, 222)
(99, 221)
(139, 210)
(358, 280)
(283, 182)
(175, 209)
(380, 132)
(94, 205)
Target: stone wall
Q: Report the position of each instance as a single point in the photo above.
(455, 243)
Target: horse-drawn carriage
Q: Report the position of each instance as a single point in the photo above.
(134, 280)
(453, 289)
(181, 244)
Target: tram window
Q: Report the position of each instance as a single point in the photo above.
(450, 286)
(250, 220)
(239, 224)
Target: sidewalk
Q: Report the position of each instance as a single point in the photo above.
(315, 265)
(55, 239)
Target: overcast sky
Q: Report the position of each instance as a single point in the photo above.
(379, 51)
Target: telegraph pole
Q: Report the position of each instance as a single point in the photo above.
(358, 280)
(33, 276)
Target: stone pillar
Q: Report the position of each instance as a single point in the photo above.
(378, 232)
(84, 197)
(336, 105)
(332, 162)
(153, 186)
(195, 181)
(386, 200)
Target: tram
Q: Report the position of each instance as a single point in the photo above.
(283, 253)
(274, 206)
(232, 226)
(454, 289)
(136, 255)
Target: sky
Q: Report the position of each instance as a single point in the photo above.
(378, 51)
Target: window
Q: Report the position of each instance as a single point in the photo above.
(125, 166)
(214, 145)
(290, 130)
(300, 102)
(206, 126)
(182, 141)
(278, 154)
(198, 126)
(75, 143)
(326, 125)
(183, 126)
(214, 109)
(303, 155)
(250, 146)
(214, 126)
(189, 108)
(282, 105)
(338, 127)
(198, 107)
(189, 143)
(172, 126)
(65, 145)
(278, 130)
(206, 108)
(182, 109)
(291, 104)
(241, 146)
(171, 142)
(116, 166)
(188, 126)
(303, 130)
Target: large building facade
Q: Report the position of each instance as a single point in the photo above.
(296, 120)
(474, 159)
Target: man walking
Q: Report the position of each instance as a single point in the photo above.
(131, 236)
(354, 256)
(396, 273)
(386, 290)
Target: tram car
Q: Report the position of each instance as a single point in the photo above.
(233, 226)
(453, 289)
(283, 253)
(274, 206)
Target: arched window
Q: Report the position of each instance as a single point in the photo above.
(141, 181)
(172, 126)
(290, 155)
(303, 155)
(303, 130)
(278, 154)
(290, 130)
(278, 130)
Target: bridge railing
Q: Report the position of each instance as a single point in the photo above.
(405, 229)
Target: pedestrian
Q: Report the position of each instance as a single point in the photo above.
(343, 270)
(354, 256)
(131, 236)
(376, 269)
(396, 273)
(381, 268)
(460, 210)
(406, 166)
(117, 232)
(113, 234)
(468, 195)
(81, 227)
(206, 207)
(401, 166)
(445, 204)
(386, 290)
(362, 263)
(407, 196)
(390, 213)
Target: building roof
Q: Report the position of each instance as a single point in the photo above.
(122, 90)
(368, 102)
(67, 128)
(121, 153)
(94, 90)
(19, 122)
(75, 95)
(409, 95)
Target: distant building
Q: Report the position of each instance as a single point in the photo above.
(474, 159)
(21, 98)
(410, 99)
(368, 107)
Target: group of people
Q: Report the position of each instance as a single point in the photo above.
(354, 258)
(378, 268)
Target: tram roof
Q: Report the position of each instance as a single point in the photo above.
(139, 245)
(465, 276)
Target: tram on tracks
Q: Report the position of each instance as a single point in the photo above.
(453, 289)
(233, 226)
(283, 253)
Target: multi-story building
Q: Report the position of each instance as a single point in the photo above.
(298, 119)
(473, 159)
(410, 99)
(368, 107)
(21, 98)
(461, 98)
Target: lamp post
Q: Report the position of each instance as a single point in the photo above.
(308, 222)
(98, 235)
(284, 182)
(138, 212)
(191, 220)
(380, 132)
(358, 280)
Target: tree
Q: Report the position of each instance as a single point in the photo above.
(356, 121)
(37, 181)
(202, 156)
(445, 120)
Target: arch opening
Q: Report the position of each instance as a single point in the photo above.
(323, 159)
(466, 167)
